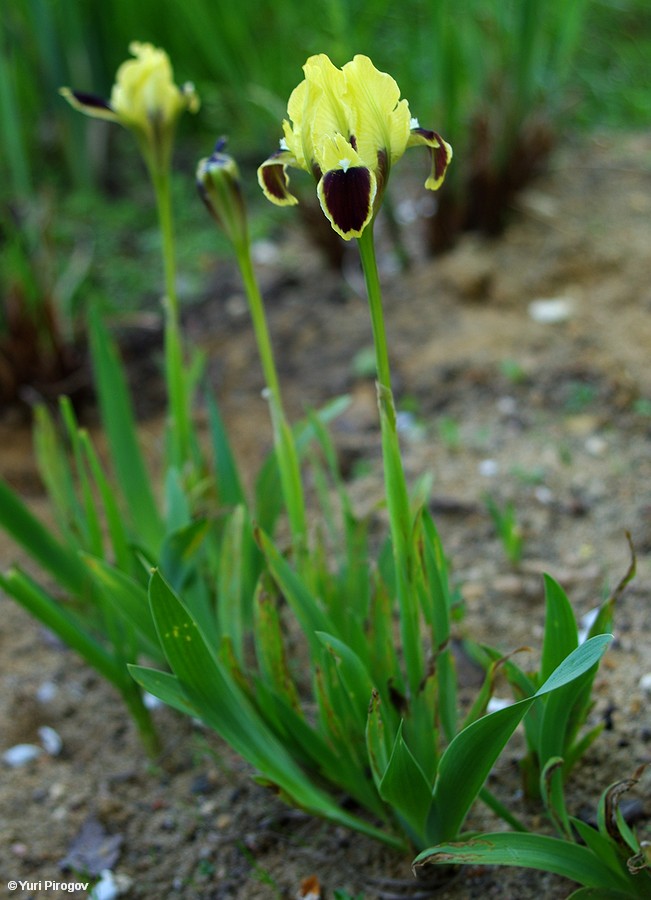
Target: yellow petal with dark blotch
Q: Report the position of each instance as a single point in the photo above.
(89, 104)
(273, 178)
(440, 153)
(336, 152)
(346, 198)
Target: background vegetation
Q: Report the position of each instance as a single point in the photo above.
(476, 71)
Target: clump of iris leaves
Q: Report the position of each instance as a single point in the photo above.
(298, 666)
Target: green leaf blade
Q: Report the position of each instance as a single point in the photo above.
(469, 758)
(119, 421)
(406, 789)
(561, 634)
(58, 559)
(531, 851)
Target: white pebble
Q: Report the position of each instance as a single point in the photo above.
(488, 468)
(596, 445)
(46, 692)
(407, 212)
(151, 702)
(105, 889)
(497, 703)
(645, 684)
(552, 310)
(543, 495)
(586, 622)
(405, 421)
(51, 740)
(507, 406)
(264, 252)
(21, 754)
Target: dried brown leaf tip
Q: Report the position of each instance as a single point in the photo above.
(310, 889)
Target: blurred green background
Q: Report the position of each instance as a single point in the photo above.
(502, 80)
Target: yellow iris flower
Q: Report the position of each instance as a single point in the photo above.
(347, 127)
(144, 99)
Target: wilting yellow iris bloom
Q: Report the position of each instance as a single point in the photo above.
(347, 127)
(144, 99)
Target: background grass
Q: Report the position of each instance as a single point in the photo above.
(84, 178)
(245, 58)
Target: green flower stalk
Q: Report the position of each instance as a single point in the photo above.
(146, 100)
(218, 182)
(348, 127)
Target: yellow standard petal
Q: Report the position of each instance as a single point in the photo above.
(144, 99)
(326, 110)
(144, 95)
(381, 119)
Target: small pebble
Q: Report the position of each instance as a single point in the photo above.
(552, 310)
(236, 306)
(110, 886)
(105, 888)
(586, 623)
(51, 740)
(264, 252)
(46, 692)
(488, 468)
(543, 495)
(405, 421)
(507, 406)
(57, 790)
(21, 754)
(497, 703)
(645, 684)
(409, 426)
(596, 445)
(407, 212)
(151, 702)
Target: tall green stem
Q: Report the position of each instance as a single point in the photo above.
(180, 434)
(395, 482)
(286, 453)
(366, 246)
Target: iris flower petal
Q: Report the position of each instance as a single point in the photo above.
(440, 153)
(348, 189)
(90, 104)
(346, 197)
(144, 99)
(326, 110)
(144, 91)
(381, 119)
(347, 127)
(273, 178)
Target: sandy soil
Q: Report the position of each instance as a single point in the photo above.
(554, 417)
